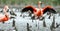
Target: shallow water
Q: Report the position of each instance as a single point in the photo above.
(36, 25)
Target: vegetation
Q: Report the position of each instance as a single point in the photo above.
(18, 2)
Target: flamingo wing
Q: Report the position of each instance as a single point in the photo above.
(27, 9)
(49, 9)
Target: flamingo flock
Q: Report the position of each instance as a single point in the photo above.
(38, 12)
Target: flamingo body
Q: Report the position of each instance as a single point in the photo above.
(38, 12)
(3, 18)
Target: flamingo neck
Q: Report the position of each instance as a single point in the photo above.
(5, 12)
(39, 5)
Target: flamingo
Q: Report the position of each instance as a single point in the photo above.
(38, 11)
(4, 17)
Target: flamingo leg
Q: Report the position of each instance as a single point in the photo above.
(3, 22)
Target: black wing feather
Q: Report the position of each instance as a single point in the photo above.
(49, 10)
(27, 9)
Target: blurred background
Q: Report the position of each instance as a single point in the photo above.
(26, 2)
(22, 3)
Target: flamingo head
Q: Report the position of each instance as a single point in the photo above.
(6, 8)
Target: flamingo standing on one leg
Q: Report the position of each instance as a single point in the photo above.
(4, 17)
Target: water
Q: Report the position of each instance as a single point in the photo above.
(36, 25)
